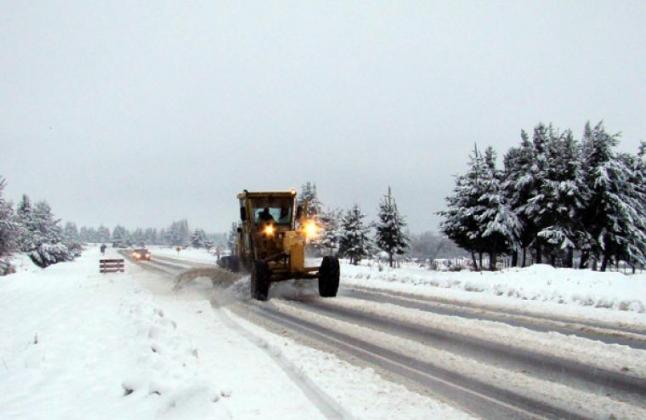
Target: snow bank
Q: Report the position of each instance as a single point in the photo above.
(78, 344)
(542, 283)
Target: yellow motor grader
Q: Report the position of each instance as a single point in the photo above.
(271, 242)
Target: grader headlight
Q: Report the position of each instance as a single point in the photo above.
(311, 229)
(269, 230)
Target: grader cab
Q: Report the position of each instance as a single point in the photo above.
(271, 243)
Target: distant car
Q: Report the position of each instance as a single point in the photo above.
(141, 254)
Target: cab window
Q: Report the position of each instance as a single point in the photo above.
(274, 210)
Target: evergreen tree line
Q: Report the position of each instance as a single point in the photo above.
(557, 200)
(177, 233)
(34, 230)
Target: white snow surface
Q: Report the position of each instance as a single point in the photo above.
(82, 345)
(588, 404)
(540, 288)
(75, 342)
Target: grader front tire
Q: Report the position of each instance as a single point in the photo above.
(260, 280)
(329, 274)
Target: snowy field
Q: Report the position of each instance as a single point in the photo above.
(81, 345)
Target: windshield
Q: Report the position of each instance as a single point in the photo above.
(276, 210)
(279, 215)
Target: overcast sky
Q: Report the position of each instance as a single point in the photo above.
(141, 113)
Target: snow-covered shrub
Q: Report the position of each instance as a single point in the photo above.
(48, 254)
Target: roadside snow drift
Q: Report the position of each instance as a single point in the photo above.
(77, 344)
(540, 283)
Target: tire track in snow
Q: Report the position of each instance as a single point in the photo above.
(485, 347)
(476, 395)
(319, 398)
(324, 403)
(606, 333)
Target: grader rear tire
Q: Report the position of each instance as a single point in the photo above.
(329, 274)
(260, 279)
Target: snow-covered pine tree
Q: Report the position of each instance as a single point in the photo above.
(354, 242)
(178, 233)
(103, 235)
(150, 236)
(198, 239)
(612, 216)
(563, 199)
(518, 185)
(639, 182)
(390, 235)
(533, 207)
(184, 232)
(94, 235)
(308, 197)
(633, 247)
(8, 229)
(70, 232)
(84, 234)
(72, 239)
(47, 237)
(138, 238)
(27, 224)
(331, 222)
(461, 223)
(499, 225)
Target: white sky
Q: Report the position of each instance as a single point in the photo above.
(144, 112)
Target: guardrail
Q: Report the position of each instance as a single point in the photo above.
(112, 265)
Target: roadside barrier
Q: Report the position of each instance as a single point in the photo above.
(112, 265)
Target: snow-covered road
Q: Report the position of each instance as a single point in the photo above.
(489, 362)
(78, 344)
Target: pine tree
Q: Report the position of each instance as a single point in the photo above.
(9, 228)
(71, 232)
(331, 223)
(178, 233)
(354, 242)
(84, 234)
(499, 225)
(391, 237)
(633, 247)
(564, 197)
(461, 223)
(103, 235)
(138, 237)
(518, 186)
(198, 239)
(308, 197)
(25, 219)
(534, 204)
(46, 237)
(72, 239)
(150, 236)
(612, 216)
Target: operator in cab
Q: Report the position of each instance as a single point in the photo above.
(265, 216)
